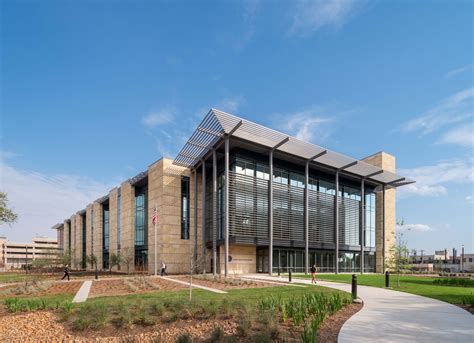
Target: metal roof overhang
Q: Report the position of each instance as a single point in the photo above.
(217, 124)
(57, 226)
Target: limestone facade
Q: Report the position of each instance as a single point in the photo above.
(113, 222)
(98, 230)
(386, 162)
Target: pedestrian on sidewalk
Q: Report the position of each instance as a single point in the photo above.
(163, 269)
(66, 273)
(313, 274)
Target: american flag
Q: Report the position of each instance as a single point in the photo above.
(153, 218)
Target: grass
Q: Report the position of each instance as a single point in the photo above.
(425, 286)
(50, 302)
(19, 277)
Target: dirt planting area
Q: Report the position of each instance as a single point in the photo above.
(44, 326)
(38, 288)
(132, 285)
(222, 283)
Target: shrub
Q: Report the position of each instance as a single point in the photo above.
(244, 324)
(91, 317)
(217, 335)
(184, 338)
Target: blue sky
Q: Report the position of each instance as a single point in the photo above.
(92, 92)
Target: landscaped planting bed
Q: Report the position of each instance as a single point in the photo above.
(131, 285)
(221, 283)
(38, 288)
(281, 313)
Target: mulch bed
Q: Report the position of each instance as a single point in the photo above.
(101, 288)
(223, 286)
(329, 330)
(468, 308)
(53, 288)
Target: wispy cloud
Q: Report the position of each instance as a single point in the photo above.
(158, 118)
(463, 135)
(432, 180)
(306, 125)
(470, 199)
(415, 227)
(231, 104)
(42, 200)
(454, 109)
(312, 15)
(249, 11)
(457, 71)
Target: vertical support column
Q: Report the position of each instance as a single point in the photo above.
(226, 217)
(195, 215)
(270, 213)
(214, 212)
(383, 229)
(336, 224)
(306, 217)
(203, 219)
(362, 224)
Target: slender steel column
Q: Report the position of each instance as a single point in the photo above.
(336, 224)
(203, 219)
(214, 212)
(270, 213)
(383, 229)
(306, 217)
(362, 224)
(195, 215)
(226, 211)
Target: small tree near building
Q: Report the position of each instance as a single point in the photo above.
(115, 260)
(92, 260)
(398, 260)
(7, 216)
(127, 257)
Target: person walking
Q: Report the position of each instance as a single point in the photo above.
(313, 274)
(66, 273)
(163, 269)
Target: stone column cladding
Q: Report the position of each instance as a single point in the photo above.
(127, 225)
(88, 234)
(113, 222)
(244, 259)
(98, 232)
(77, 241)
(164, 190)
(386, 162)
(66, 236)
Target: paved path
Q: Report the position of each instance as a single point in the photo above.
(194, 285)
(83, 292)
(391, 316)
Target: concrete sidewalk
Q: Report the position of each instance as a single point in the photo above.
(391, 316)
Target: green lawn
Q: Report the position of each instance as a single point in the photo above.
(411, 284)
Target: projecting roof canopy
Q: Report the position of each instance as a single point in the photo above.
(216, 124)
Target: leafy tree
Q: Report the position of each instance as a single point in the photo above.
(127, 257)
(114, 260)
(6, 215)
(92, 260)
(398, 260)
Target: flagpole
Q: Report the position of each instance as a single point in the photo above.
(156, 219)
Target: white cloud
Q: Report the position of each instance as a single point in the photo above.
(161, 117)
(312, 15)
(432, 180)
(42, 200)
(470, 199)
(457, 71)
(306, 125)
(454, 109)
(249, 12)
(414, 227)
(231, 104)
(463, 135)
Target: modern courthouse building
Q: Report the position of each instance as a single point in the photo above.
(243, 198)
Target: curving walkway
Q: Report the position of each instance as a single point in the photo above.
(391, 316)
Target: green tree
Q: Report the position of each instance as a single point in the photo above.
(6, 215)
(398, 260)
(92, 260)
(115, 260)
(127, 257)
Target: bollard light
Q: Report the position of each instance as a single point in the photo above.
(289, 275)
(354, 286)
(387, 279)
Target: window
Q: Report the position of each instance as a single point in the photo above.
(141, 231)
(84, 235)
(118, 220)
(185, 207)
(370, 220)
(105, 237)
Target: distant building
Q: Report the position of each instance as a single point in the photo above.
(442, 260)
(18, 255)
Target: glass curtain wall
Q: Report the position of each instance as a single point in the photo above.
(185, 207)
(141, 231)
(84, 235)
(286, 259)
(105, 237)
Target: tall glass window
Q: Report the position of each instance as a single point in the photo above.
(84, 235)
(370, 220)
(69, 236)
(185, 207)
(118, 219)
(105, 238)
(141, 241)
